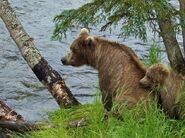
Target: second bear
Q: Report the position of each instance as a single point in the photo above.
(169, 86)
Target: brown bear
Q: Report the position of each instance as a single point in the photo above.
(119, 69)
(169, 86)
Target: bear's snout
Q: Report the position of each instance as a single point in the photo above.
(142, 82)
(64, 61)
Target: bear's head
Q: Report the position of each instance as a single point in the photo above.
(81, 50)
(155, 76)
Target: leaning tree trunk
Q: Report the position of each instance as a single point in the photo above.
(168, 34)
(182, 8)
(44, 72)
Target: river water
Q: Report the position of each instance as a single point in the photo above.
(19, 87)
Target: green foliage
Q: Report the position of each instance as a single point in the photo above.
(137, 123)
(154, 55)
(133, 15)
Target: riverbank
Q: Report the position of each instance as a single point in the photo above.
(136, 123)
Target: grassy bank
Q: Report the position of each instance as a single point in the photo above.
(136, 123)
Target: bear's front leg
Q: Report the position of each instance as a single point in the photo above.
(107, 103)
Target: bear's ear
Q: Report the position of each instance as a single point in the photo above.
(84, 31)
(89, 40)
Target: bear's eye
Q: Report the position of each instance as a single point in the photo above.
(74, 50)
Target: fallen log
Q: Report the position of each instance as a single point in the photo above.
(20, 126)
(11, 120)
(6, 113)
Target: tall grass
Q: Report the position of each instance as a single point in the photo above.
(136, 123)
(154, 55)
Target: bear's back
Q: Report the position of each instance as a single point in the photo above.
(120, 71)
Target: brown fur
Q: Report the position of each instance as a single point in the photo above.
(118, 67)
(169, 85)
